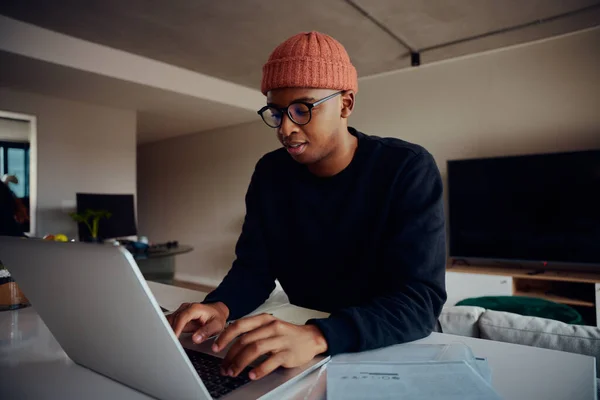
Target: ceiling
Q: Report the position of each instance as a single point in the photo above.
(161, 113)
(231, 39)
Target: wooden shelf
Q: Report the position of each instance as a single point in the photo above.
(578, 289)
(555, 298)
(529, 273)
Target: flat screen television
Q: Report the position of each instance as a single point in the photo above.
(538, 208)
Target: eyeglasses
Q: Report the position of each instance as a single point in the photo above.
(300, 112)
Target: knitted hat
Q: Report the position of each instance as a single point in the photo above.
(309, 60)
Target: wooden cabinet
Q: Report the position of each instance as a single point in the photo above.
(460, 286)
(580, 290)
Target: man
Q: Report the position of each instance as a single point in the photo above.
(8, 210)
(21, 213)
(348, 223)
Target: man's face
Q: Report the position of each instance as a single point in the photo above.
(314, 141)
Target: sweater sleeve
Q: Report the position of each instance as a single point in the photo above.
(412, 269)
(249, 282)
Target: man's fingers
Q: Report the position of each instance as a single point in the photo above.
(182, 318)
(211, 328)
(252, 351)
(171, 317)
(240, 327)
(263, 332)
(183, 306)
(268, 366)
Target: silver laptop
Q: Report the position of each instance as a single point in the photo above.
(98, 306)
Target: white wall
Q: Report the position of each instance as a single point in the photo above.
(192, 189)
(81, 148)
(540, 97)
(14, 131)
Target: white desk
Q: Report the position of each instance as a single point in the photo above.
(33, 365)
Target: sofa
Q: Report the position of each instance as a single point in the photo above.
(531, 331)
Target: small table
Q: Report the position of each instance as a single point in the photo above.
(33, 365)
(159, 266)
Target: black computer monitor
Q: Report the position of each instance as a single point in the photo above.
(122, 220)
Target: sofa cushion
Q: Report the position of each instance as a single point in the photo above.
(461, 320)
(541, 332)
(523, 305)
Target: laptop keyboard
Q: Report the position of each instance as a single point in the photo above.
(209, 370)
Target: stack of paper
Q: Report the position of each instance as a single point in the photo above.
(409, 371)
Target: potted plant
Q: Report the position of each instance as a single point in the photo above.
(91, 219)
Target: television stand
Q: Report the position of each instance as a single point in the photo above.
(581, 290)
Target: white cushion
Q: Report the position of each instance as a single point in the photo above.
(541, 332)
(461, 320)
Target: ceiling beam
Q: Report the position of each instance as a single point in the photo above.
(512, 28)
(42, 44)
(381, 25)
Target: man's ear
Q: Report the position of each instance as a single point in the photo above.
(348, 99)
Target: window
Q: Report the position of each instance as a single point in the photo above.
(14, 160)
(17, 165)
(14, 157)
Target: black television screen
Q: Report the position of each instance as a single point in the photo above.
(526, 208)
(121, 206)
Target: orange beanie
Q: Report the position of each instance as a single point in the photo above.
(309, 60)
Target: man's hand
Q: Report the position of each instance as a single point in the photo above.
(287, 345)
(205, 320)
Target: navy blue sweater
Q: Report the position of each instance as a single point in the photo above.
(366, 245)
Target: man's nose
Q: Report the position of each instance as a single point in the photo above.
(287, 126)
